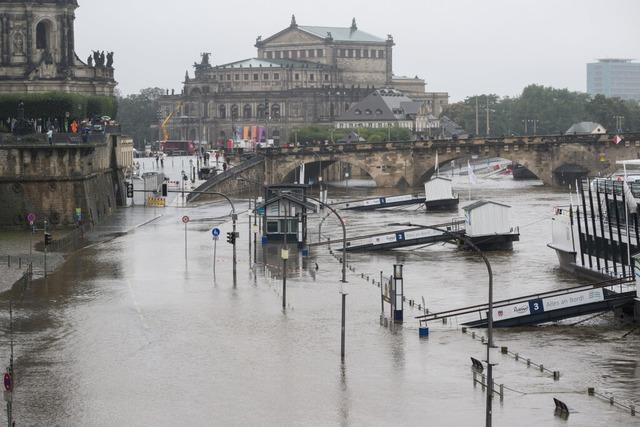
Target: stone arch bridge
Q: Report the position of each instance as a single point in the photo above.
(556, 159)
(553, 159)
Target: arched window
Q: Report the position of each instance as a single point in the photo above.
(193, 135)
(186, 109)
(222, 112)
(43, 30)
(261, 111)
(275, 111)
(234, 111)
(246, 111)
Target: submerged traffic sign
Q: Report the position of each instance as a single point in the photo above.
(8, 382)
(186, 219)
(31, 218)
(215, 232)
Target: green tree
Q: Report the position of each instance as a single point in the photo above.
(548, 110)
(139, 115)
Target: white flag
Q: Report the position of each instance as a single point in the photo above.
(472, 176)
(437, 164)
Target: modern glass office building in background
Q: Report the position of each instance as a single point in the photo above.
(614, 77)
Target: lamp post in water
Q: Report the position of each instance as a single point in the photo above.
(468, 242)
(343, 294)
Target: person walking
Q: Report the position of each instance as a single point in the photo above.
(50, 136)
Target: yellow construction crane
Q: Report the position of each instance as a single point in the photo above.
(163, 126)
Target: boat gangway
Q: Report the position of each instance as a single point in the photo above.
(415, 236)
(548, 306)
(382, 202)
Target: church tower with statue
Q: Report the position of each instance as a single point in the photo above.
(37, 51)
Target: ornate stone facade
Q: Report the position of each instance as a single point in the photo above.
(302, 75)
(37, 51)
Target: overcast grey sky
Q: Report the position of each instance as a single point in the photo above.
(460, 46)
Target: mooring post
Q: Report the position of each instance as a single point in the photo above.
(285, 257)
(344, 319)
(398, 294)
(381, 295)
(501, 392)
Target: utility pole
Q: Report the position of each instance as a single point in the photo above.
(285, 257)
(46, 223)
(477, 118)
(619, 120)
(9, 374)
(488, 124)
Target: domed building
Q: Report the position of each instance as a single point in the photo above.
(37, 51)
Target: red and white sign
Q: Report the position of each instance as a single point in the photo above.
(31, 218)
(186, 219)
(617, 139)
(511, 311)
(8, 382)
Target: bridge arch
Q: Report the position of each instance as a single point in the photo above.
(285, 171)
(425, 167)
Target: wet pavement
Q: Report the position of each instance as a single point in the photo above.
(131, 332)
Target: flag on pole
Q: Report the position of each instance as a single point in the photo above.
(472, 176)
(617, 139)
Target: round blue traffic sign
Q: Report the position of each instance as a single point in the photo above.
(215, 232)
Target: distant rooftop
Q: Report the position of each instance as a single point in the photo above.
(341, 34)
(270, 63)
(615, 59)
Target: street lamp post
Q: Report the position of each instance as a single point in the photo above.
(344, 236)
(467, 241)
(619, 120)
(319, 172)
(527, 122)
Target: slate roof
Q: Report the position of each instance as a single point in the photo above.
(450, 128)
(289, 197)
(382, 104)
(480, 203)
(341, 34)
(585, 128)
(270, 63)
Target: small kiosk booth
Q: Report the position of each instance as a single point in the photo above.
(284, 213)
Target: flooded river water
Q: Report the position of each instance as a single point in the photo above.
(129, 332)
